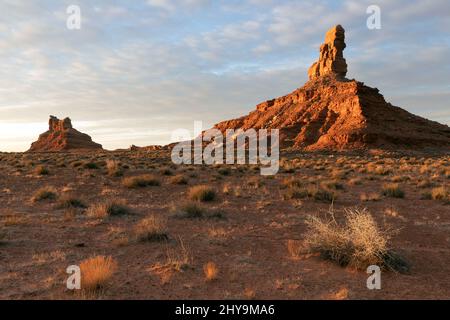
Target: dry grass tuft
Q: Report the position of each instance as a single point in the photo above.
(141, 181)
(357, 242)
(202, 193)
(190, 210)
(70, 201)
(393, 190)
(295, 248)
(96, 272)
(44, 193)
(440, 193)
(211, 271)
(152, 228)
(113, 168)
(41, 171)
(178, 179)
(108, 208)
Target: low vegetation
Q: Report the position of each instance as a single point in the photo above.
(96, 272)
(358, 241)
(202, 193)
(141, 181)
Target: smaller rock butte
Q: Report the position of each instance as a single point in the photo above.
(61, 136)
(331, 59)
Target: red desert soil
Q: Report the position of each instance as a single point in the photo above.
(40, 240)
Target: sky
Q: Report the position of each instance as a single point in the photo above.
(137, 70)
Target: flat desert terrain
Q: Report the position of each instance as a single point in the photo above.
(162, 231)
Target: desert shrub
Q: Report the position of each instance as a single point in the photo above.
(211, 271)
(91, 165)
(355, 181)
(96, 272)
(141, 181)
(177, 260)
(224, 171)
(44, 193)
(191, 210)
(357, 242)
(332, 184)
(372, 196)
(439, 193)
(166, 172)
(178, 179)
(70, 201)
(152, 228)
(425, 184)
(107, 209)
(113, 168)
(41, 171)
(321, 194)
(292, 182)
(393, 190)
(378, 169)
(295, 193)
(295, 248)
(202, 193)
(255, 182)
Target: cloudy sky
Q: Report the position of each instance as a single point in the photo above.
(136, 70)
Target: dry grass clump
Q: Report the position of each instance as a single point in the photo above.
(355, 181)
(393, 190)
(41, 171)
(141, 181)
(332, 184)
(44, 193)
(177, 260)
(295, 248)
(96, 272)
(107, 209)
(440, 193)
(224, 171)
(152, 228)
(378, 169)
(211, 271)
(114, 169)
(191, 210)
(91, 165)
(166, 172)
(317, 193)
(372, 196)
(70, 201)
(357, 242)
(178, 179)
(202, 193)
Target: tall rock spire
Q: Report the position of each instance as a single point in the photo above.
(331, 59)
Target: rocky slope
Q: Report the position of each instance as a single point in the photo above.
(61, 136)
(332, 112)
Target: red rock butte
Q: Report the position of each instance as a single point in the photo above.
(61, 136)
(331, 112)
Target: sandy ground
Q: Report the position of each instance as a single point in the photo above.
(248, 246)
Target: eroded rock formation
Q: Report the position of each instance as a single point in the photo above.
(331, 112)
(61, 136)
(331, 59)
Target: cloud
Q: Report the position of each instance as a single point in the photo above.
(137, 70)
